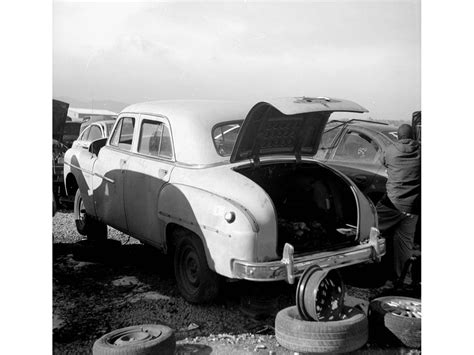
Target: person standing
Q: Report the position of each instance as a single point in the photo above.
(399, 209)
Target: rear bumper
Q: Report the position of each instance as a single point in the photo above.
(290, 267)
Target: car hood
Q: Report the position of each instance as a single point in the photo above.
(59, 118)
(287, 126)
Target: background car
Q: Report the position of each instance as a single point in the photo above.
(92, 132)
(355, 147)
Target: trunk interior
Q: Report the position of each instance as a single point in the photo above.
(316, 209)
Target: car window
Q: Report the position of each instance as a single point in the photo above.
(155, 140)
(150, 138)
(224, 137)
(357, 147)
(166, 150)
(94, 133)
(123, 133)
(85, 133)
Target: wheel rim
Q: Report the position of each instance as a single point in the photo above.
(82, 210)
(190, 268)
(403, 307)
(133, 336)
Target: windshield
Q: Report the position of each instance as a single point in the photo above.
(224, 136)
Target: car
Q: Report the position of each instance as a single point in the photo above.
(87, 121)
(354, 147)
(92, 132)
(227, 189)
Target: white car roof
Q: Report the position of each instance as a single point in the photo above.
(191, 123)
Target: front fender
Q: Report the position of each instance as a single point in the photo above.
(203, 213)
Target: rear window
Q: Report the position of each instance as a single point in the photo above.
(224, 137)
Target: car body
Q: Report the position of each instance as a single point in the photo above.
(96, 119)
(93, 131)
(355, 148)
(234, 184)
(58, 148)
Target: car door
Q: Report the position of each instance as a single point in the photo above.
(147, 172)
(357, 155)
(109, 172)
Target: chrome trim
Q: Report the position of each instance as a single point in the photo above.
(290, 267)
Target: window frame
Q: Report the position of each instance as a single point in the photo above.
(147, 118)
(81, 136)
(118, 126)
(221, 124)
(100, 129)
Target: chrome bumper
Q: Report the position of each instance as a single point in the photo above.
(290, 267)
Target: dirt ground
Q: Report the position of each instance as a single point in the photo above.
(133, 284)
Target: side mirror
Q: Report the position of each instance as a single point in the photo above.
(96, 145)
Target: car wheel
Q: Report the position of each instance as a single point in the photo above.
(86, 224)
(395, 320)
(344, 335)
(137, 340)
(196, 281)
(320, 294)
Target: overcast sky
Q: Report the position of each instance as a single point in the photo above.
(365, 51)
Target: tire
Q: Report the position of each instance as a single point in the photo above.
(196, 282)
(137, 340)
(395, 325)
(338, 336)
(85, 223)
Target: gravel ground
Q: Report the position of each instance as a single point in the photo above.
(134, 284)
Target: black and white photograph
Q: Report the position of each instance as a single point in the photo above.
(236, 177)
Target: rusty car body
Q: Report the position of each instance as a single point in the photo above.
(228, 189)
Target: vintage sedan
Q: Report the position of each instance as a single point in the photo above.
(227, 189)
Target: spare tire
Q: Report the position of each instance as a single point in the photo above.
(347, 334)
(396, 320)
(144, 339)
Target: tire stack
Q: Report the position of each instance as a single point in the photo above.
(320, 323)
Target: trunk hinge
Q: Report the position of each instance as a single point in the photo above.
(256, 161)
(298, 158)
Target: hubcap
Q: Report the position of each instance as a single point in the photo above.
(403, 307)
(133, 336)
(192, 267)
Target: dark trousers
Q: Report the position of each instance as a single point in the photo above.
(398, 228)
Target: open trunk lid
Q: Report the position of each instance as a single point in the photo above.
(287, 126)
(59, 119)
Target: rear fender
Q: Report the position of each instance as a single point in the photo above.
(203, 213)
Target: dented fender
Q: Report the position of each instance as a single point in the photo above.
(204, 213)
